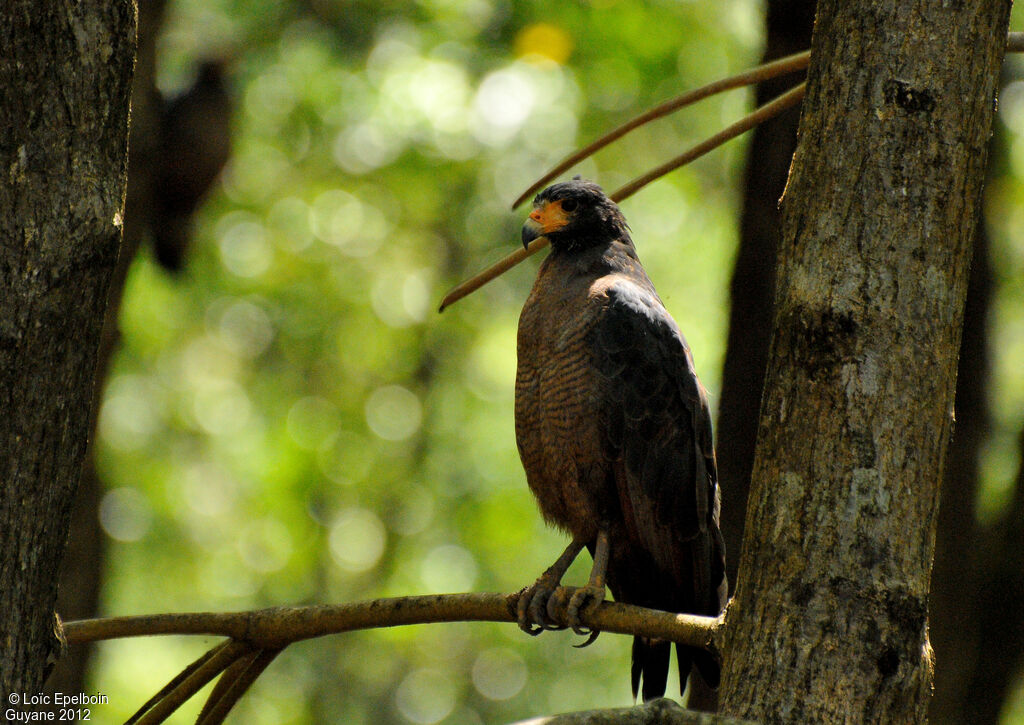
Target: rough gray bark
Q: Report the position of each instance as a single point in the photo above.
(82, 569)
(65, 75)
(829, 622)
(788, 25)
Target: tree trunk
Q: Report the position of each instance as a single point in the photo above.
(829, 621)
(81, 579)
(65, 75)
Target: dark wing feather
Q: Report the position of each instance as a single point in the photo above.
(659, 426)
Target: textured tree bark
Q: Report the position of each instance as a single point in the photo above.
(65, 75)
(81, 576)
(829, 621)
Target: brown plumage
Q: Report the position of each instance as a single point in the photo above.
(614, 431)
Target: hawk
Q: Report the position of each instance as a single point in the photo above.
(614, 432)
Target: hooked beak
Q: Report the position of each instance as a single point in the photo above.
(531, 230)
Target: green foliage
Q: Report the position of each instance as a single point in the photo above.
(291, 421)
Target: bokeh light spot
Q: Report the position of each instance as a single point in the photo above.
(499, 673)
(244, 250)
(393, 412)
(245, 328)
(357, 539)
(128, 417)
(222, 409)
(289, 223)
(543, 40)
(265, 545)
(311, 421)
(425, 696)
(347, 458)
(400, 299)
(448, 568)
(415, 512)
(125, 514)
(503, 102)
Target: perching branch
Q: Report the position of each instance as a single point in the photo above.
(276, 627)
(256, 637)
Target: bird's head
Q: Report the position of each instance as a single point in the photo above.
(575, 215)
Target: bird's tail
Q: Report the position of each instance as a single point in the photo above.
(650, 663)
(707, 666)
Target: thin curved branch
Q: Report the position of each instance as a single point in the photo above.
(769, 110)
(164, 704)
(495, 270)
(761, 114)
(235, 682)
(782, 66)
(757, 74)
(178, 679)
(1014, 44)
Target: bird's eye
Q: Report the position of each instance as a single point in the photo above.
(569, 205)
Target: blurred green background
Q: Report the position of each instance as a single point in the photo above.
(290, 421)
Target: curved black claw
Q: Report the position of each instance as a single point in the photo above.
(539, 609)
(583, 599)
(590, 640)
(532, 607)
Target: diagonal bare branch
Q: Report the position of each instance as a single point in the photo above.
(495, 270)
(769, 110)
(761, 114)
(782, 66)
(179, 690)
(235, 682)
(797, 61)
(178, 679)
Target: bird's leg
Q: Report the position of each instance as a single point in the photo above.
(531, 610)
(592, 594)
